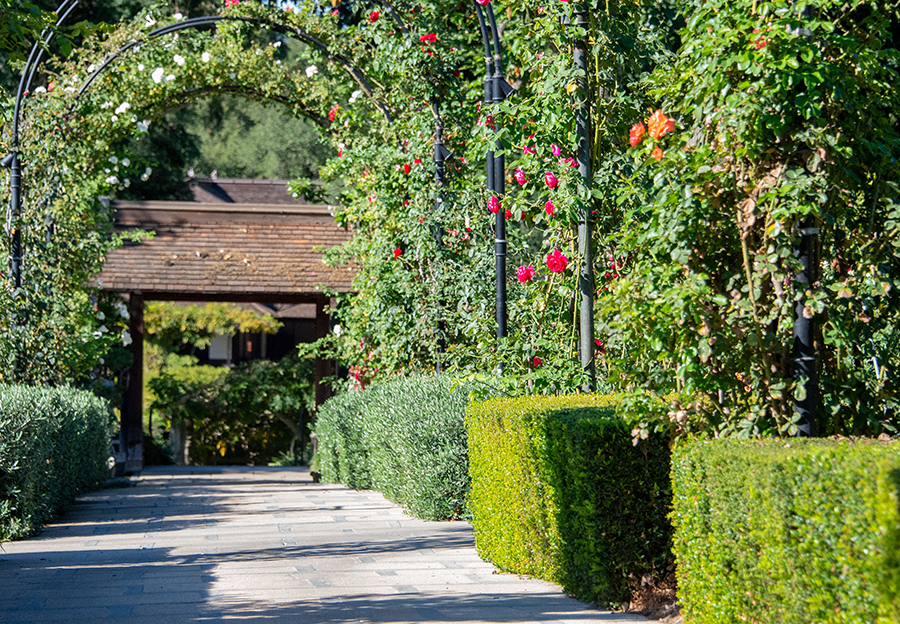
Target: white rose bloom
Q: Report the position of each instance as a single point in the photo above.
(126, 162)
(115, 118)
(355, 95)
(91, 68)
(178, 16)
(101, 316)
(311, 71)
(127, 182)
(150, 21)
(121, 108)
(142, 126)
(179, 60)
(158, 74)
(112, 180)
(232, 75)
(338, 330)
(140, 67)
(205, 57)
(170, 78)
(126, 338)
(114, 160)
(41, 90)
(107, 104)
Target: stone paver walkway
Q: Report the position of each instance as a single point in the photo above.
(262, 545)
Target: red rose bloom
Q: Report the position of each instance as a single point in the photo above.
(557, 262)
(373, 17)
(537, 362)
(525, 273)
(397, 253)
(494, 205)
(333, 112)
(406, 168)
(429, 38)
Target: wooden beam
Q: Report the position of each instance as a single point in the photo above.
(132, 435)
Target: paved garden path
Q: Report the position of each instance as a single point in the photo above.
(261, 545)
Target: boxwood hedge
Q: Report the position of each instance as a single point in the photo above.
(54, 445)
(405, 438)
(560, 492)
(787, 532)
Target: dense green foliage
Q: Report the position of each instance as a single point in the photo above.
(781, 116)
(777, 129)
(405, 438)
(560, 492)
(248, 414)
(787, 533)
(54, 445)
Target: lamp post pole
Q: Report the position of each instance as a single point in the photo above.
(496, 90)
(585, 250)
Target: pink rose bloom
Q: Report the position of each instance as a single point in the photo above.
(551, 180)
(549, 208)
(520, 177)
(557, 262)
(525, 273)
(494, 205)
(528, 150)
(555, 149)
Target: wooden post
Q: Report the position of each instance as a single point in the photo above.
(322, 365)
(133, 404)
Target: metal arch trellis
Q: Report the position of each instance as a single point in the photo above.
(496, 90)
(209, 20)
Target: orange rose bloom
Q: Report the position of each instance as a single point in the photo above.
(657, 153)
(659, 124)
(636, 134)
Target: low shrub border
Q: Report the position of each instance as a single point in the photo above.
(405, 438)
(54, 445)
(787, 532)
(560, 492)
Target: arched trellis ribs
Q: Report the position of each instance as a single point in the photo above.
(496, 90)
(314, 117)
(211, 20)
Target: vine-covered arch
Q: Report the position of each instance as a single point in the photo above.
(354, 81)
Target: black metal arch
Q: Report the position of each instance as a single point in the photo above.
(210, 20)
(496, 89)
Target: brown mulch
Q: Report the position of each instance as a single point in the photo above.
(656, 600)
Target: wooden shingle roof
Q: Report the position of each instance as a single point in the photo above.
(236, 252)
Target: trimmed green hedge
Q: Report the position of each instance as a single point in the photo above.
(560, 492)
(54, 445)
(405, 438)
(787, 532)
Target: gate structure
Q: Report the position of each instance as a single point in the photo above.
(202, 252)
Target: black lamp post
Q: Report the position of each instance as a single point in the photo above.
(583, 156)
(496, 89)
